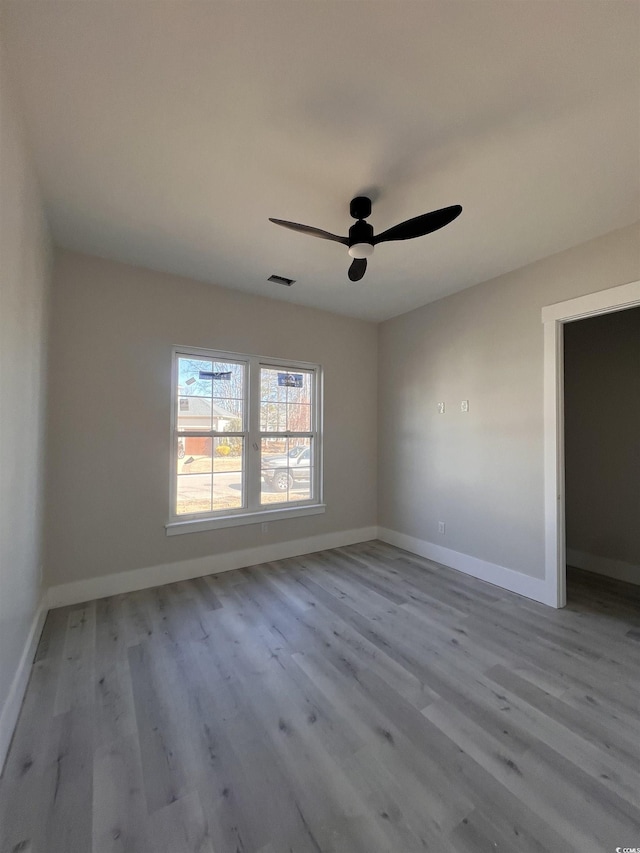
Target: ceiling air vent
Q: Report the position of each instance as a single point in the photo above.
(280, 279)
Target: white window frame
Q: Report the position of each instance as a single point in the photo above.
(252, 512)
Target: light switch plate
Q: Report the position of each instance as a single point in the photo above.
(464, 406)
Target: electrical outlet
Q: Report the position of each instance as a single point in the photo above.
(441, 527)
(265, 526)
(441, 408)
(464, 406)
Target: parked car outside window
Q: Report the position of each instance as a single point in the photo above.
(281, 472)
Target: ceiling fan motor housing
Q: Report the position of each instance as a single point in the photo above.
(360, 207)
(361, 239)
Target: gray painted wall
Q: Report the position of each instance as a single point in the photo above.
(480, 472)
(602, 436)
(24, 284)
(113, 327)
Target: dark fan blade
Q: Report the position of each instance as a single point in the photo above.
(420, 225)
(357, 269)
(313, 232)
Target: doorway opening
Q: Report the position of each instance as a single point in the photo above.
(555, 317)
(602, 454)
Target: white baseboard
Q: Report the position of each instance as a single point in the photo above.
(106, 585)
(535, 588)
(13, 704)
(604, 566)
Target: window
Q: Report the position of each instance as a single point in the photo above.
(246, 440)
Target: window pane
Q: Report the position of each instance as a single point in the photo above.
(273, 417)
(193, 493)
(194, 473)
(190, 382)
(194, 413)
(194, 455)
(285, 400)
(270, 391)
(227, 454)
(228, 380)
(298, 417)
(286, 470)
(228, 467)
(209, 480)
(300, 390)
(302, 470)
(226, 415)
(210, 395)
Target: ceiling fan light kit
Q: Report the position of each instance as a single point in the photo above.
(361, 250)
(361, 239)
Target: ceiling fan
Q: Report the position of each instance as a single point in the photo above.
(361, 239)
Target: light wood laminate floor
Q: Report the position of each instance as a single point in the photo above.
(358, 700)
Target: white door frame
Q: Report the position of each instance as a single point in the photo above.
(554, 317)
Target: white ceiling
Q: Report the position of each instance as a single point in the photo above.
(166, 133)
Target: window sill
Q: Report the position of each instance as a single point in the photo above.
(177, 528)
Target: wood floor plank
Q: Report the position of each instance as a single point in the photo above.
(114, 711)
(595, 742)
(563, 799)
(205, 592)
(66, 817)
(26, 778)
(270, 788)
(181, 827)
(158, 728)
(386, 743)
(119, 806)
(75, 683)
(51, 643)
(357, 700)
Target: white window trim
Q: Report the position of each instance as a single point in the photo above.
(177, 528)
(196, 522)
